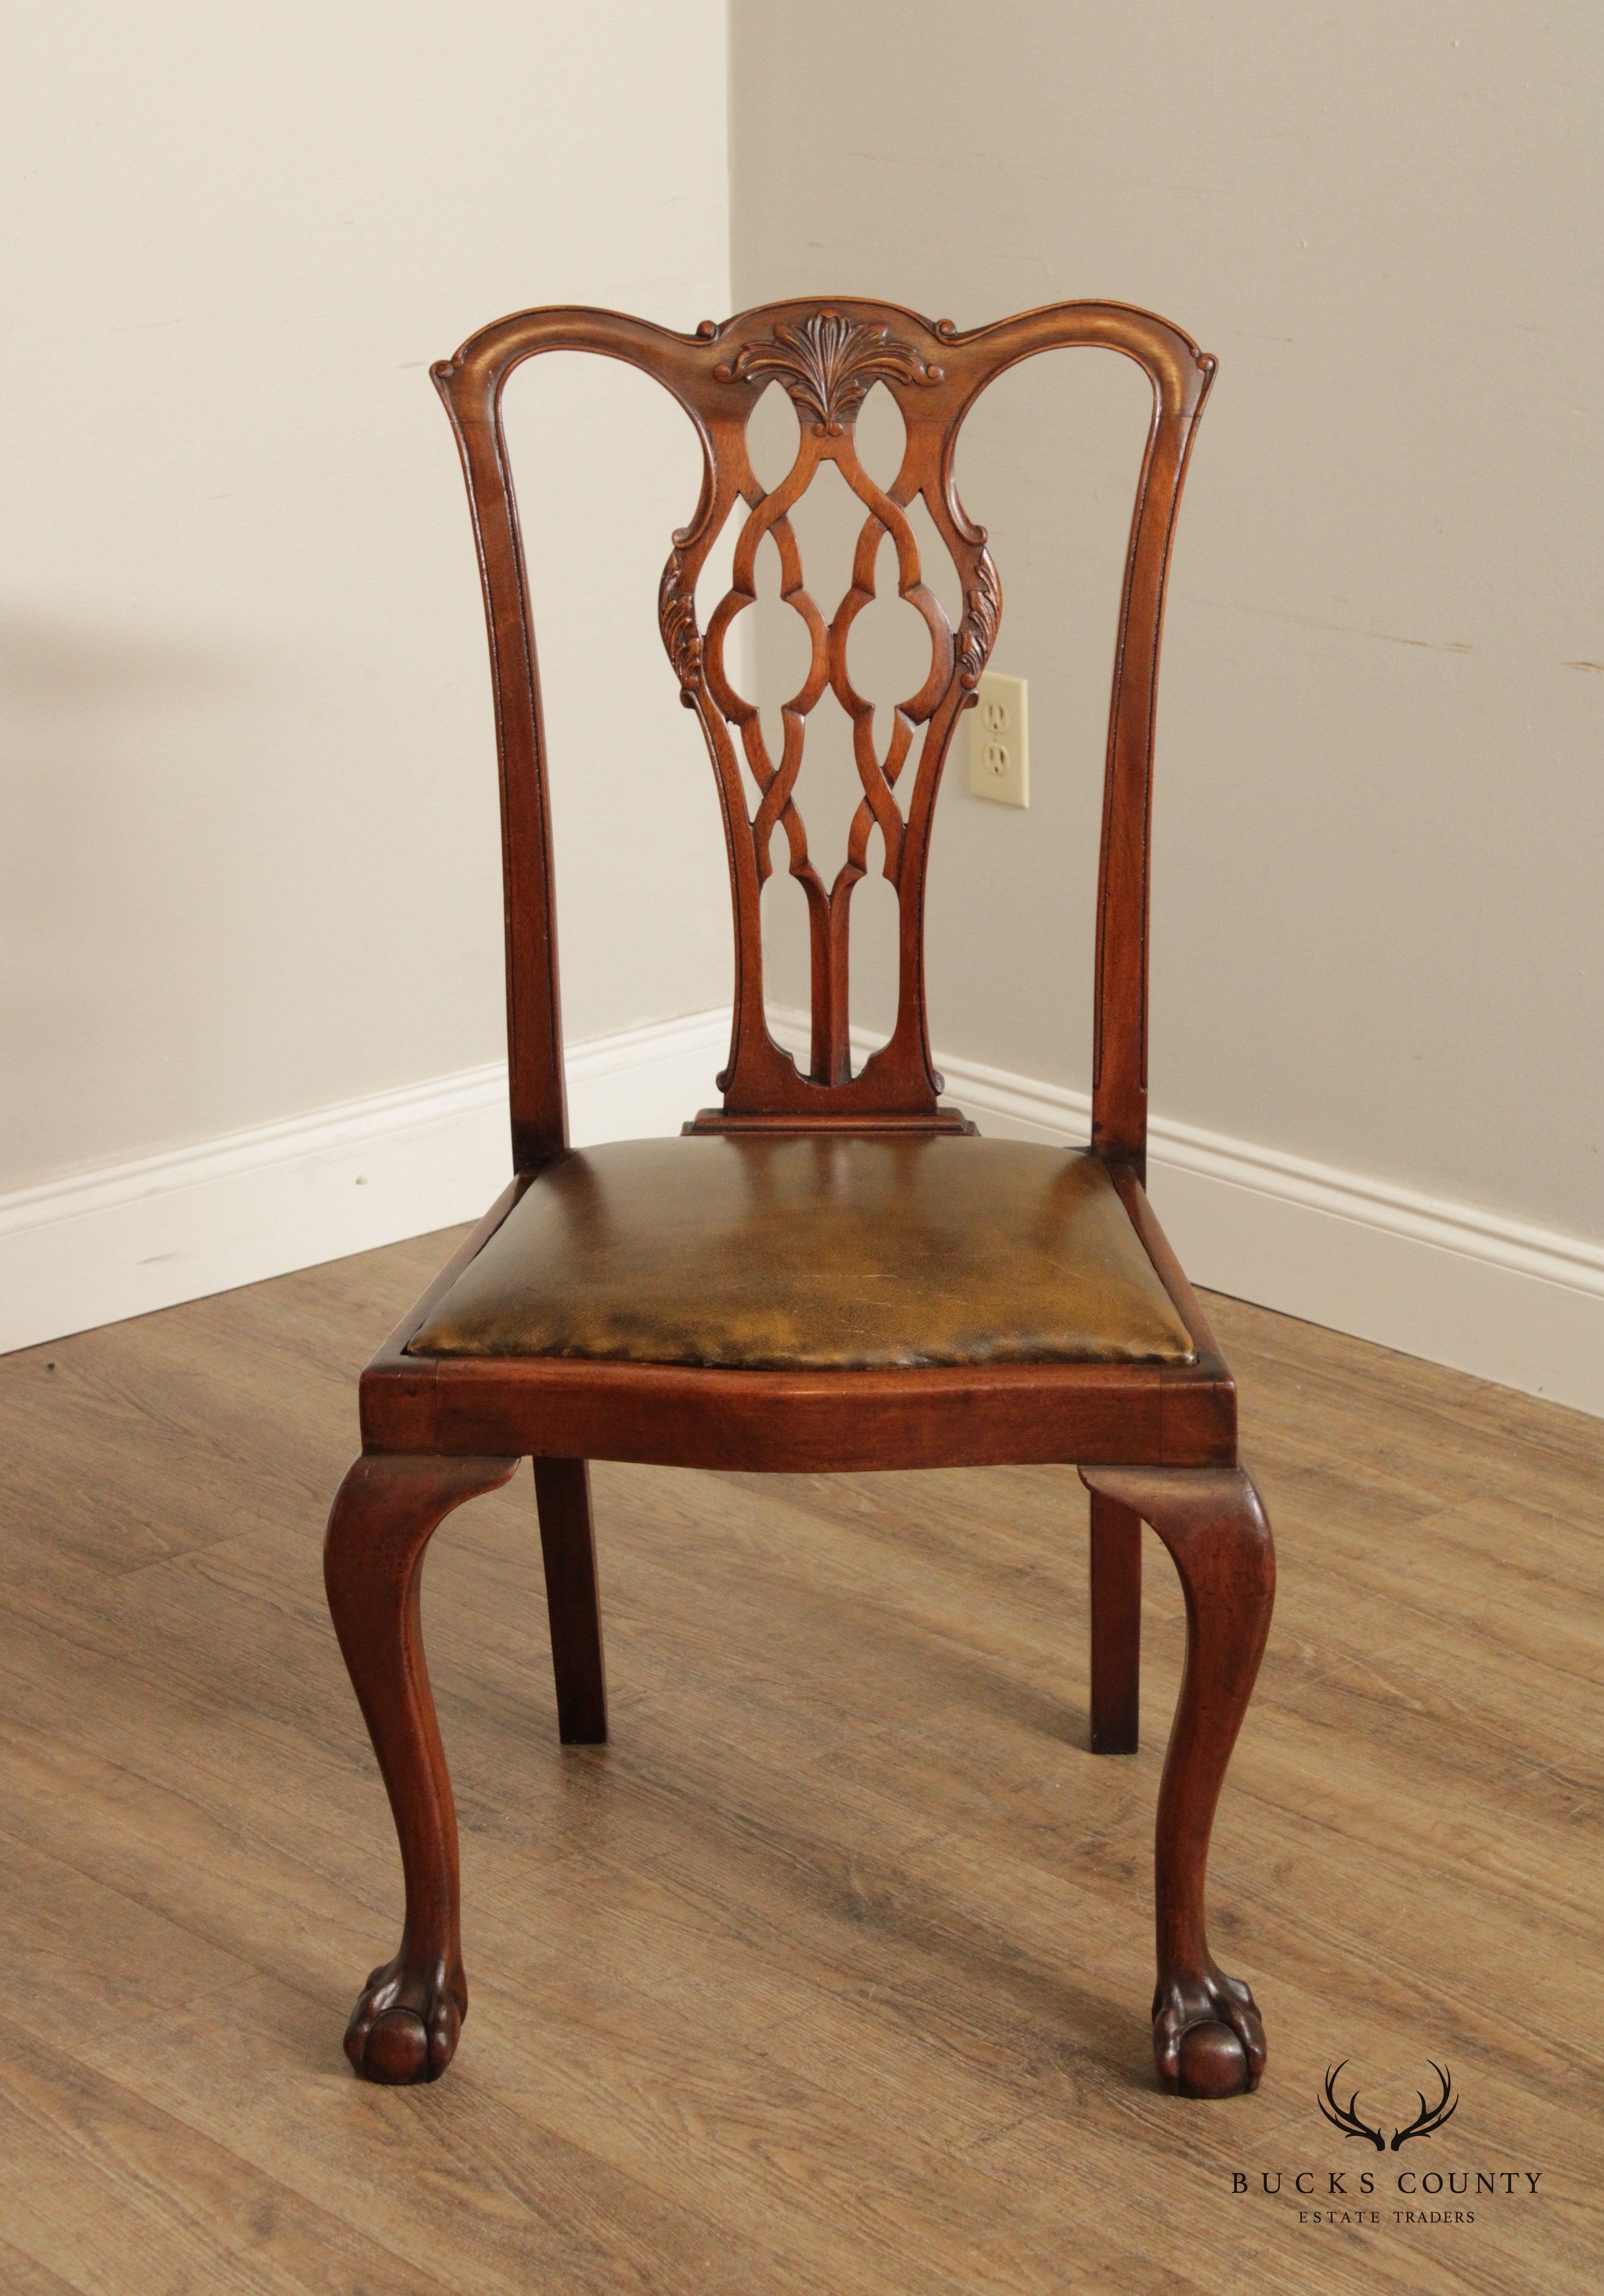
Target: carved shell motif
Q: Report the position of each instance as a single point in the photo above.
(829, 364)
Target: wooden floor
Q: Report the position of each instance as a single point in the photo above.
(831, 1975)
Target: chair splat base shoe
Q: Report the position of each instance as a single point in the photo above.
(830, 1272)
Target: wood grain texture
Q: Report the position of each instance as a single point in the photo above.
(1208, 2036)
(405, 2024)
(809, 1422)
(819, 1976)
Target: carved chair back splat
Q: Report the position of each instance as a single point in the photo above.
(1118, 1374)
(828, 358)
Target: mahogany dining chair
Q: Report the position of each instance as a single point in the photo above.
(829, 1271)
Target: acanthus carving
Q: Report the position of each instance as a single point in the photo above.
(676, 619)
(829, 364)
(982, 611)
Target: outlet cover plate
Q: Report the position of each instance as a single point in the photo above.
(999, 740)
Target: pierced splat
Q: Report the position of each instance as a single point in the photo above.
(828, 364)
(828, 358)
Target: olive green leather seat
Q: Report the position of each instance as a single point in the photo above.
(813, 1253)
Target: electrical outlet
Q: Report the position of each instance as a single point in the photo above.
(999, 741)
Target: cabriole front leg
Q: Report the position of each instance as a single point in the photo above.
(405, 2026)
(1208, 2040)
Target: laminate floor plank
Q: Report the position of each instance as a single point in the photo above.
(830, 1972)
(20, 2276)
(124, 2195)
(473, 2190)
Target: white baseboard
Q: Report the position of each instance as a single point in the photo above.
(1495, 1297)
(1506, 1301)
(148, 1233)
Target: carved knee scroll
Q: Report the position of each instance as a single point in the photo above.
(1208, 2040)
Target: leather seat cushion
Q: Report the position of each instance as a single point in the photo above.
(813, 1253)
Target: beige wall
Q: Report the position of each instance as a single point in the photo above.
(248, 827)
(1380, 887)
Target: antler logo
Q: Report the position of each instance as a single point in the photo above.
(1430, 2116)
(1429, 2119)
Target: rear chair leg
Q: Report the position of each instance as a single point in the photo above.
(1116, 1626)
(567, 1545)
(1208, 2041)
(405, 2026)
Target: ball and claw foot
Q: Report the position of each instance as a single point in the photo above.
(405, 2026)
(1208, 2040)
